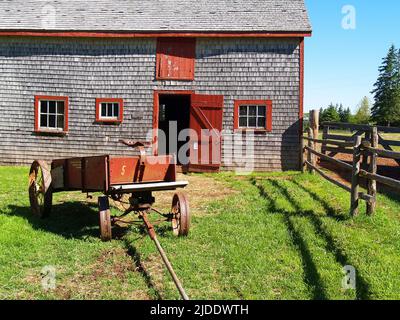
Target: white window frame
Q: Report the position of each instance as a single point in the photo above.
(257, 116)
(56, 114)
(108, 118)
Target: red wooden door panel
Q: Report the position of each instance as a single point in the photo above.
(206, 114)
(176, 58)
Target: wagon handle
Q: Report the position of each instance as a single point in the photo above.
(140, 145)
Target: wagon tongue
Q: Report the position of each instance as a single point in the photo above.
(153, 236)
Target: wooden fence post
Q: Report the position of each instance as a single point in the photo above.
(310, 156)
(373, 166)
(324, 137)
(368, 137)
(355, 177)
(302, 150)
(314, 123)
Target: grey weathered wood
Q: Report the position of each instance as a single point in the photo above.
(330, 179)
(310, 157)
(387, 146)
(394, 143)
(355, 178)
(302, 159)
(363, 127)
(372, 191)
(342, 164)
(384, 153)
(340, 137)
(362, 196)
(334, 151)
(325, 134)
(314, 123)
(331, 142)
(350, 126)
(382, 179)
(86, 69)
(365, 155)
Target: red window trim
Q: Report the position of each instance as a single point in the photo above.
(37, 114)
(191, 41)
(110, 100)
(268, 120)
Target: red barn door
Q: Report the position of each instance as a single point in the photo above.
(206, 114)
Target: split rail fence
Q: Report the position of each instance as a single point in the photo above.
(363, 145)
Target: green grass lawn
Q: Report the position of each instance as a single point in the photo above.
(279, 236)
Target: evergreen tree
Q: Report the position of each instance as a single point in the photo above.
(330, 114)
(344, 114)
(340, 111)
(345, 117)
(386, 109)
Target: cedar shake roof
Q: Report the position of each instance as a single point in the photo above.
(155, 15)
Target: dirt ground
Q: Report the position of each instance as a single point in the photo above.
(201, 189)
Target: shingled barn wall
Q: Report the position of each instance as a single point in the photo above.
(86, 69)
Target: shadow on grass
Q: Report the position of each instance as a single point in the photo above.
(69, 219)
(135, 255)
(312, 277)
(77, 220)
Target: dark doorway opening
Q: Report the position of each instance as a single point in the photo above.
(174, 112)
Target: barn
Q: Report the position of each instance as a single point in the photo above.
(226, 76)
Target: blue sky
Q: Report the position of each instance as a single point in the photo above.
(342, 65)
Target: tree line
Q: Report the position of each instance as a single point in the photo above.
(385, 109)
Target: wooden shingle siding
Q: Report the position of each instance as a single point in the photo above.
(86, 69)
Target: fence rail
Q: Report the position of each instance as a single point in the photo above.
(363, 146)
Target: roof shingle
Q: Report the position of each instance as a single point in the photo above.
(155, 15)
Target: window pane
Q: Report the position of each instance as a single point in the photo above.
(60, 107)
(252, 110)
(261, 122)
(52, 121)
(52, 107)
(104, 110)
(109, 110)
(252, 122)
(43, 120)
(116, 110)
(261, 111)
(60, 122)
(43, 106)
(242, 122)
(243, 111)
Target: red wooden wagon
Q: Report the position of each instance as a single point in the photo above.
(138, 176)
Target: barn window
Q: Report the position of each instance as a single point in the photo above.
(109, 110)
(175, 58)
(51, 114)
(253, 115)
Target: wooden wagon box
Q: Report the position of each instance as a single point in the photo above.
(109, 173)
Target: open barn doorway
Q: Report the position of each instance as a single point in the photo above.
(173, 117)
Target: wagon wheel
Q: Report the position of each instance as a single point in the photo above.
(180, 215)
(105, 225)
(40, 190)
